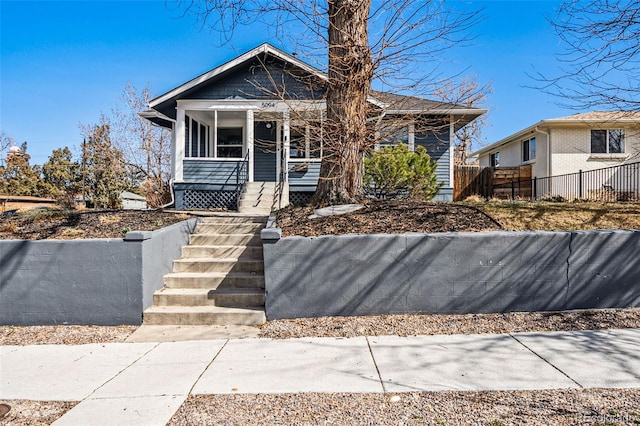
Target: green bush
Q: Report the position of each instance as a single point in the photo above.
(396, 172)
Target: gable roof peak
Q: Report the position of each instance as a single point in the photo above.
(264, 48)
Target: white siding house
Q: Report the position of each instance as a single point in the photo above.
(565, 145)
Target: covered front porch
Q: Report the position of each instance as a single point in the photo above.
(218, 146)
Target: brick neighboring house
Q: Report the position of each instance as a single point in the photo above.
(238, 122)
(569, 144)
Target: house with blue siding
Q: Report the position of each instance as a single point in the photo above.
(258, 118)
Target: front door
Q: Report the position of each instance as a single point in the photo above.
(265, 149)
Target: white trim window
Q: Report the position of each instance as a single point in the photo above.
(229, 142)
(529, 150)
(196, 139)
(607, 141)
(305, 141)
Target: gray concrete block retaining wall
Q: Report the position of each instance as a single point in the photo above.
(450, 273)
(100, 281)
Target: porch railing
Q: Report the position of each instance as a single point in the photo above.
(279, 190)
(242, 175)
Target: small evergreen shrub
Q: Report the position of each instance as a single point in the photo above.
(396, 172)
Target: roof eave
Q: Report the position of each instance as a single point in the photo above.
(508, 139)
(157, 118)
(440, 111)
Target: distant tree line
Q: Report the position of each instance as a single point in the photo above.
(120, 152)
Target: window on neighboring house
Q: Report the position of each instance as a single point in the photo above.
(495, 159)
(305, 140)
(529, 150)
(607, 141)
(229, 142)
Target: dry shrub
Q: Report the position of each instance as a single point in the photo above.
(8, 227)
(72, 233)
(605, 195)
(110, 219)
(474, 199)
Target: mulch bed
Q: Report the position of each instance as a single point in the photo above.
(387, 217)
(84, 224)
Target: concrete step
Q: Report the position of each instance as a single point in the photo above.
(203, 315)
(236, 218)
(255, 210)
(206, 239)
(254, 191)
(208, 264)
(229, 297)
(229, 228)
(256, 202)
(214, 280)
(224, 251)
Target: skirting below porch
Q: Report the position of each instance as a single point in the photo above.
(190, 196)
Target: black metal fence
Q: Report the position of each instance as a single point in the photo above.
(616, 183)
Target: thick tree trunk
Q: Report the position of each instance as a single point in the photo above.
(345, 129)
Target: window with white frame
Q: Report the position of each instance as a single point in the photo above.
(607, 141)
(196, 139)
(494, 159)
(528, 150)
(305, 140)
(229, 142)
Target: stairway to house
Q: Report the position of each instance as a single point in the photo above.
(258, 197)
(219, 279)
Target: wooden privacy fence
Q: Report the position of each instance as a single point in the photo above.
(471, 180)
(512, 182)
(490, 182)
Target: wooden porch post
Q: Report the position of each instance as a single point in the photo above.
(411, 137)
(452, 150)
(178, 153)
(286, 143)
(250, 142)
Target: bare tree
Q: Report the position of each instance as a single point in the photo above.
(601, 56)
(392, 43)
(468, 92)
(146, 147)
(6, 141)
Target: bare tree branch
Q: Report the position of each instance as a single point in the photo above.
(601, 56)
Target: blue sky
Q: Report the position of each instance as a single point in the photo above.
(65, 63)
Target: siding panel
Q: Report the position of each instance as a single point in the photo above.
(210, 171)
(301, 179)
(438, 148)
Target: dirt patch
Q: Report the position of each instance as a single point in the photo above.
(66, 225)
(387, 217)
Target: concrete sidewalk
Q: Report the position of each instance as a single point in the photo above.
(145, 383)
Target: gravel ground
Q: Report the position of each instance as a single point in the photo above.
(34, 412)
(63, 334)
(557, 407)
(400, 325)
(405, 325)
